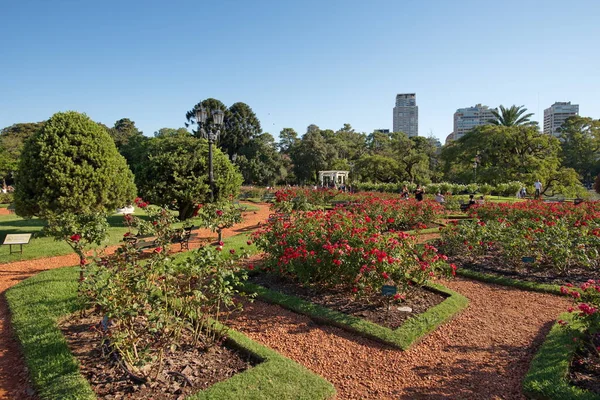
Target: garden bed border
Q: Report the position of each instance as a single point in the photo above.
(37, 303)
(408, 334)
(510, 282)
(547, 375)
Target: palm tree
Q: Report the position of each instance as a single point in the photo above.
(512, 116)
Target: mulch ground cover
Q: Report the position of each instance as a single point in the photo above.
(373, 308)
(490, 264)
(585, 368)
(187, 370)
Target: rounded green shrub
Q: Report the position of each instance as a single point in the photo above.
(71, 165)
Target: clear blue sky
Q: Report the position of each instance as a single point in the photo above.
(295, 63)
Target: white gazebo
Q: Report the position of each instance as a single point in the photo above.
(337, 177)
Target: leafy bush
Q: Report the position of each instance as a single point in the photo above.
(586, 310)
(151, 306)
(71, 165)
(6, 198)
(341, 247)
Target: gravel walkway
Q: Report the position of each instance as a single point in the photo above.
(483, 353)
(14, 378)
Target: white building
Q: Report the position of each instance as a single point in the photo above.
(406, 114)
(468, 118)
(556, 114)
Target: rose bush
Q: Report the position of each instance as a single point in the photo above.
(586, 310)
(345, 248)
(557, 236)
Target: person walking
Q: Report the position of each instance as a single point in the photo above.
(538, 188)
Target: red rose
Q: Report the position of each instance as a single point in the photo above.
(249, 242)
(232, 251)
(158, 249)
(221, 244)
(251, 267)
(75, 238)
(219, 212)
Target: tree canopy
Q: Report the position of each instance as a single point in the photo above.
(173, 173)
(512, 116)
(71, 165)
(580, 143)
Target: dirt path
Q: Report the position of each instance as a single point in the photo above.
(14, 379)
(483, 353)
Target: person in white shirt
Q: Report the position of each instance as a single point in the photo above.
(538, 188)
(439, 198)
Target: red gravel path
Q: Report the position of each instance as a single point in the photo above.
(14, 379)
(483, 353)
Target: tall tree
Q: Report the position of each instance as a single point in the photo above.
(311, 155)
(506, 154)
(12, 140)
(124, 131)
(71, 166)
(375, 168)
(260, 163)
(240, 124)
(164, 132)
(288, 138)
(580, 143)
(512, 116)
(413, 156)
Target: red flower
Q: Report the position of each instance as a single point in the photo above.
(249, 243)
(251, 267)
(219, 248)
(219, 212)
(385, 275)
(354, 290)
(75, 238)
(158, 249)
(232, 251)
(221, 244)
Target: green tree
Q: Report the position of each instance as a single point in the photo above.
(503, 154)
(288, 138)
(174, 174)
(580, 143)
(512, 116)
(260, 163)
(379, 143)
(376, 168)
(413, 156)
(311, 155)
(240, 126)
(12, 140)
(71, 165)
(210, 105)
(163, 132)
(124, 131)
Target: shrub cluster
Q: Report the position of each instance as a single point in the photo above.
(157, 304)
(586, 311)
(348, 249)
(503, 189)
(558, 236)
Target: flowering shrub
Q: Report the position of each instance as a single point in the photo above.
(341, 247)
(559, 236)
(219, 216)
(586, 310)
(154, 306)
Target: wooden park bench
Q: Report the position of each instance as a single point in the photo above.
(183, 237)
(17, 239)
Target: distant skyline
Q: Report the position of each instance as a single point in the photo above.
(295, 63)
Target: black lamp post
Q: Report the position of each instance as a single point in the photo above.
(211, 136)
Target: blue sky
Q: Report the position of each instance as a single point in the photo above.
(295, 63)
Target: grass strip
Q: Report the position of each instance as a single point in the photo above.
(547, 377)
(504, 281)
(403, 337)
(39, 302)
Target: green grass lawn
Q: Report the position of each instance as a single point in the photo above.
(42, 247)
(39, 302)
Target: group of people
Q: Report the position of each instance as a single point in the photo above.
(419, 193)
(522, 193)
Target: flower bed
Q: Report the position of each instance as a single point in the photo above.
(344, 248)
(546, 242)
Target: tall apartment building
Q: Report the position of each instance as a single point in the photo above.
(406, 114)
(556, 114)
(468, 118)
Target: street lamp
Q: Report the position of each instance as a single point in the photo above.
(211, 136)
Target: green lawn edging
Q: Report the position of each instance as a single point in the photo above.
(504, 281)
(403, 337)
(39, 302)
(547, 375)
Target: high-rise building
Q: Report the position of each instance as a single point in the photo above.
(556, 114)
(468, 118)
(386, 131)
(406, 114)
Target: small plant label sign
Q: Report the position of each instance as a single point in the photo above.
(528, 259)
(388, 290)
